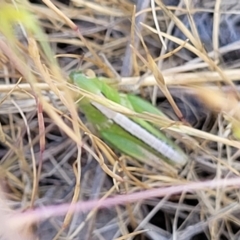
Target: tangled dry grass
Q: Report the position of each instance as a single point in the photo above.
(183, 51)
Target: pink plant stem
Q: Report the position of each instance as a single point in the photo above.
(43, 213)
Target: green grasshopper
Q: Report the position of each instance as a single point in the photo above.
(132, 136)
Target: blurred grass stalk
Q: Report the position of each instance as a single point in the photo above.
(43, 59)
(33, 59)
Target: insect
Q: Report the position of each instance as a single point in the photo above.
(132, 136)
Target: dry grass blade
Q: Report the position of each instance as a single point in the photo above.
(156, 23)
(216, 28)
(196, 78)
